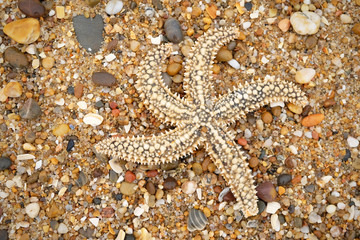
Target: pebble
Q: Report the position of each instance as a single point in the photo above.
(235, 64)
(275, 223)
(329, 103)
(330, 209)
(266, 192)
(54, 211)
(5, 163)
(92, 3)
(295, 108)
(197, 168)
(15, 57)
(173, 30)
(284, 25)
(138, 211)
(224, 55)
(113, 7)
(88, 233)
(305, 23)
(152, 173)
(352, 142)
(335, 231)
(127, 188)
(62, 229)
(4, 234)
(356, 29)
(48, 62)
(253, 162)
(305, 75)
(272, 207)
(23, 31)
(266, 117)
(283, 179)
(311, 41)
(103, 79)
(150, 187)
(173, 68)
(134, 45)
(261, 206)
(30, 109)
(31, 8)
(61, 130)
(345, 18)
(89, 32)
(32, 210)
(312, 120)
(93, 119)
(130, 176)
(94, 221)
(298, 222)
(170, 183)
(189, 187)
(13, 89)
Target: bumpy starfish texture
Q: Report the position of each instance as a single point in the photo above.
(203, 119)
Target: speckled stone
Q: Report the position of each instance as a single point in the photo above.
(283, 179)
(30, 110)
(31, 8)
(173, 30)
(15, 58)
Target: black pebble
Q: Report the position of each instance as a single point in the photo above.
(97, 201)
(70, 145)
(347, 155)
(70, 90)
(283, 179)
(248, 6)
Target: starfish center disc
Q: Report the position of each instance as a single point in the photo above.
(203, 116)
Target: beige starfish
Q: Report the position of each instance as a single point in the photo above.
(202, 120)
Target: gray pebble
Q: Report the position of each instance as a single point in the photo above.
(261, 206)
(283, 179)
(30, 110)
(173, 30)
(113, 176)
(310, 188)
(167, 79)
(82, 180)
(5, 163)
(15, 58)
(297, 222)
(103, 79)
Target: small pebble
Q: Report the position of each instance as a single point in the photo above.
(170, 183)
(272, 207)
(134, 45)
(115, 165)
(284, 25)
(283, 179)
(113, 7)
(127, 188)
(62, 229)
(275, 223)
(197, 168)
(32, 210)
(150, 187)
(295, 108)
(311, 41)
(103, 79)
(305, 75)
(31, 8)
(266, 192)
(189, 187)
(92, 3)
(173, 30)
(23, 31)
(298, 222)
(82, 179)
(61, 130)
(93, 119)
(356, 29)
(30, 110)
(130, 176)
(235, 64)
(261, 206)
(138, 211)
(305, 23)
(352, 142)
(312, 120)
(266, 117)
(253, 162)
(173, 68)
(329, 103)
(224, 55)
(15, 57)
(345, 18)
(5, 163)
(330, 209)
(335, 231)
(13, 89)
(48, 62)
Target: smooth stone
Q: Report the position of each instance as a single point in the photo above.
(55, 211)
(275, 222)
(261, 206)
(113, 176)
(189, 187)
(150, 187)
(62, 229)
(129, 176)
(103, 79)
(127, 188)
(330, 209)
(166, 79)
(312, 120)
(61, 130)
(48, 62)
(272, 207)
(197, 168)
(88, 233)
(113, 7)
(23, 31)
(266, 192)
(224, 55)
(13, 89)
(92, 3)
(170, 183)
(283, 179)
(15, 57)
(353, 142)
(30, 110)
(5, 163)
(82, 179)
(345, 18)
(305, 23)
(157, 4)
(31, 8)
(173, 30)
(170, 165)
(89, 32)
(32, 210)
(93, 119)
(284, 25)
(4, 234)
(134, 45)
(356, 29)
(298, 222)
(173, 68)
(305, 75)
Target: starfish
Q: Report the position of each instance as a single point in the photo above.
(202, 118)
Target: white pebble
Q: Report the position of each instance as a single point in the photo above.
(293, 149)
(345, 18)
(335, 231)
(31, 49)
(93, 119)
(314, 218)
(305, 23)
(60, 102)
(305, 229)
(189, 187)
(115, 166)
(94, 221)
(272, 207)
(298, 133)
(32, 210)
(62, 229)
(305, 75)
(110, 57)
(246, 25)
(235, 64)
(38, 164)
(113, 7)
(341, 205)
(268, 143)
(138, 211)
(247, 133)
(353, 142)
(277, 104)
(330, 209)
(82, 105)
(275, 222)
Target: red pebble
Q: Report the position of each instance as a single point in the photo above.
(115, 112)
(152, 173)
(315, 135)
(130, 176)
(113, 105)
(242, 141)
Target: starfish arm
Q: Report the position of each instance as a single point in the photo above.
(230, 160)
(198, 69)
(160, 100)
(166, 147)
(254, 95)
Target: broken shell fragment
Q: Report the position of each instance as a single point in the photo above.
(197, 220)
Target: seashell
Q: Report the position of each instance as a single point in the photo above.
(197, 220)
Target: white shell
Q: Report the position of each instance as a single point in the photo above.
(196, 220)
(114, 7)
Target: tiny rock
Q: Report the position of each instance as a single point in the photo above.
(173, 30)
(103, 79)
(31, 8)
(13, 89)
(15, 58)
(113, 7)
(305, 23)
(93, 119)
(305, 75)
(32, 210)
(61, 130)
(30, 110)
(23, 31)
(312, 120)
(284, 25)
